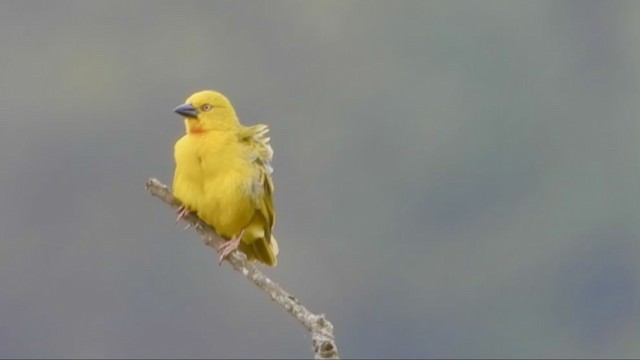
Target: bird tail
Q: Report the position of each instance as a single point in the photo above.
(262, 250)
(266, 251)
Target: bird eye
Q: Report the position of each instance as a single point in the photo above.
(206, 107)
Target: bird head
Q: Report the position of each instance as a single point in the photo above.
(207, 110)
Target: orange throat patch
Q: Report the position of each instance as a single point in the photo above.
(197, 131)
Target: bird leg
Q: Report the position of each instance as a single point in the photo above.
(182, 213)
(229, 246)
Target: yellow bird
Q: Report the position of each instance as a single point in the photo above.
(223, 174)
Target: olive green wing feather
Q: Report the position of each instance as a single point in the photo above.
(259, 153)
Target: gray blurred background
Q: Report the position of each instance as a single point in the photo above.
(453, 179)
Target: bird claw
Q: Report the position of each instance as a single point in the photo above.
(228, 247)
(182, 213)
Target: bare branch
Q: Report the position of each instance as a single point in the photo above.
(324, 344)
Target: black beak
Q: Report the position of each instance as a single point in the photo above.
(186, 110)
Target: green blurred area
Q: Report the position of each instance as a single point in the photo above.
(453, 179)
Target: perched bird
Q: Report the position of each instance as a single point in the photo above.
(223, 174)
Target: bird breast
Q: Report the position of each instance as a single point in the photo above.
(215, 180)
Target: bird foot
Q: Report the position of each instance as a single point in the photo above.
(182, 213)
(228, 247)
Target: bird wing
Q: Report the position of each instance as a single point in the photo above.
(259, 153)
